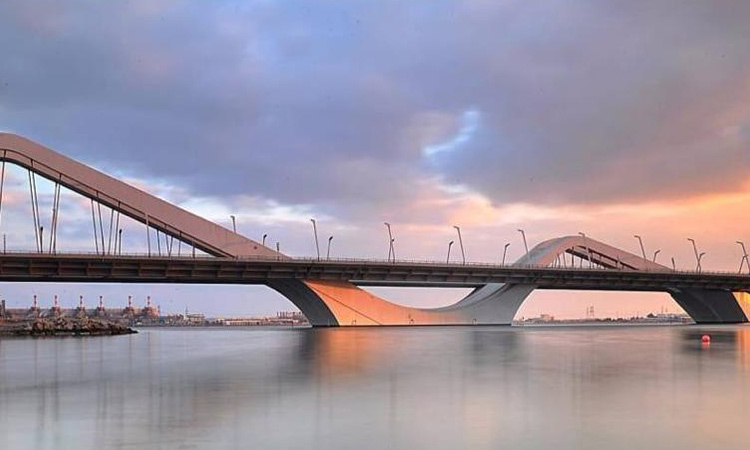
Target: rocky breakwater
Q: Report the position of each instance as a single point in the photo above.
(64, 326)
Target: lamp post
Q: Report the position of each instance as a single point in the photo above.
(234, 223)
(315, 233)
(744, 257)
(448, 258)
(525, 245)
(393, 249)
(656, 253)
(674, 265)
(390, 240)
(263, 242)
(643, 250)
(505, 251)
(460, 243)
(695, 249)
(588, 250)
(699, 269)
(328, 251)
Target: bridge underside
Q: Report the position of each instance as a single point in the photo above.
(340, 303)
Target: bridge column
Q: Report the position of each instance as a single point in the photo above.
(710, 306)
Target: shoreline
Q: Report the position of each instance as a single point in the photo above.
(63, 327)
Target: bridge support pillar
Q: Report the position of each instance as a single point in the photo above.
(710, 306)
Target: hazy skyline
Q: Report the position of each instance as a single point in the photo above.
(613, 118)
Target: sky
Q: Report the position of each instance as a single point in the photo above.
(612, 118)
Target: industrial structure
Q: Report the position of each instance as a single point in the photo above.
(327, 291)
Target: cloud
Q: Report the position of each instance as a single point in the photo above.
(263, 98)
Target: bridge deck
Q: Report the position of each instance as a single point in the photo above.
(204, 270)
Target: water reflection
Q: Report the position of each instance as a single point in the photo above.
(480, 387)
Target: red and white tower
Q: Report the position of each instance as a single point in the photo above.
(129, 311)
(81, 310)
(55, 307)
(100, 311)
(34, 310)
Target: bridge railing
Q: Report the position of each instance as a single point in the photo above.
(365, 261)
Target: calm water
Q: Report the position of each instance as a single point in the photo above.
(390, 388)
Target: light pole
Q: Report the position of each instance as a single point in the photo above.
(277, 247)
(505, 251)
(315, 233)
(393, 249)
(700, 257)
(656, 253)
(643, 250)
(744, 257)
(390, 241)
(328, 251)
(525, 245)
(448, 258)
(460, 243)
(234, 223)
(263, 243)
(674, 265)
(588, 250)
(695, 249)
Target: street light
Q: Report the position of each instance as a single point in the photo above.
(234, 223)
(328, 251)
(695, 249)
(643, 250)
(744, 257)
(460, 243)
(588, 250)
(393, 249)
(674, 265)
(700, 257)
(315, 232)
(656, 253)
(448, 258)
(525, 245)
(390, 241)
(505, 251)
(263, 243)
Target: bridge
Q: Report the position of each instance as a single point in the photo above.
(328, 291)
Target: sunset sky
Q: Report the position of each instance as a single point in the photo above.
(613, 118)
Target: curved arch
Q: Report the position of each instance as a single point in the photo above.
(128, 200)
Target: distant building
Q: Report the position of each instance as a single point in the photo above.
(195, 319)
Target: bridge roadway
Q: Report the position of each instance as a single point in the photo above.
(45, 267)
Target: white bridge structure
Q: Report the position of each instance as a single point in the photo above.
(328, 292)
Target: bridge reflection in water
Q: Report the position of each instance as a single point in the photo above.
(451, 387)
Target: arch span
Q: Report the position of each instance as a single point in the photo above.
(128, 200)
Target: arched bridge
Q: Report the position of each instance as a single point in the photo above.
(328, 292)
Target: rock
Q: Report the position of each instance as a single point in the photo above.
(64, 326)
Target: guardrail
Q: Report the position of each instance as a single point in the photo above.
(368, 261)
